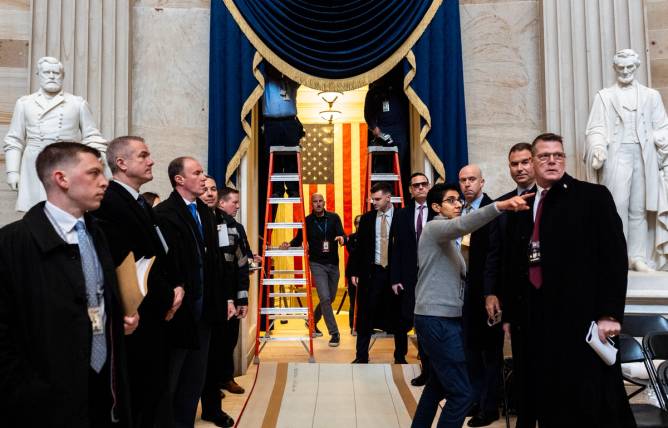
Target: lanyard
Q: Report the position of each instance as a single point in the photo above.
(323, 230)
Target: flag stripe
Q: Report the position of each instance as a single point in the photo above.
(355, 177)
(363, 165)
(346, 187)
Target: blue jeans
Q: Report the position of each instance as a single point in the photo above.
(443, 342)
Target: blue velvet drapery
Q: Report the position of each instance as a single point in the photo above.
(335, 49)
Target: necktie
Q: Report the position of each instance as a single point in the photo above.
(418, 226)
(536, 271)
(193, 211)
(142, 202)
(383, 240)
(94, 282)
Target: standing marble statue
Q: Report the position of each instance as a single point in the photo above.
(627, 151)
(45, 117)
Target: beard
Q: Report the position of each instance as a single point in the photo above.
(625, 80)
(52, 87)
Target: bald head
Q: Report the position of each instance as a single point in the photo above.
(318, 204)
(471, 182)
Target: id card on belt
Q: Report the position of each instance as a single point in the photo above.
(96, 321)
(325, 246)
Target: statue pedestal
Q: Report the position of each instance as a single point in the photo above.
(647, 293)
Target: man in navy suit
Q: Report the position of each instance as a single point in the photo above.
(405, 233)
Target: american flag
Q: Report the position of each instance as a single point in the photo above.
(318, 154)
(341, 184)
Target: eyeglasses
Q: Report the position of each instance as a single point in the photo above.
(420, 184)
(558, 157)
(450, 201)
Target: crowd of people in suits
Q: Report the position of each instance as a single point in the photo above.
(462, 269)
(70, 356)
(466, 271)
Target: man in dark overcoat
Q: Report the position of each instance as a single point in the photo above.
(130, 225)
(563, 271)
(62, 359)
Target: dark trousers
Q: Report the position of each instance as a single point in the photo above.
(401, 343)
(285, 131)
(187, 369)
(443, 342)
(352, 295)
(218, 350)
(230, 339)
(485, 370)
(424, 358)
(147, 361)
(100, 399)
(370, 297)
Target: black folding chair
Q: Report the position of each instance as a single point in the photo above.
(646, 415)
(640, 326)
(655, 345)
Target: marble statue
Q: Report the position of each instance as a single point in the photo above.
(42, 118)
(626, 149)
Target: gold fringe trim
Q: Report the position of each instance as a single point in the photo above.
(423, 111)
(246, 108)
(333, 84)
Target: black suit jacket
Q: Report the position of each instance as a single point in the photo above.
(190, 250)
(403, 257)
(45, 332)
(585, 267)
(478, 333)
(131, 228)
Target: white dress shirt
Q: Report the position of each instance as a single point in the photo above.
(425, 212)
(536, 201)
(133, 192)
(63, 222)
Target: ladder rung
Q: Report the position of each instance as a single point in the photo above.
(285, 149)
(383, 149)
(284, 281)
(292, 251)
(384, 177)
(284, 225)
(298, 294)
(283, 338)
(395, 199)
(286, 272)
(277, 201)
(284, 177)
(284, 311)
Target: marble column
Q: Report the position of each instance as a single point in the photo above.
(92, 39)
(579, 41)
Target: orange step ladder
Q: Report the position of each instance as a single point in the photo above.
(280, 288)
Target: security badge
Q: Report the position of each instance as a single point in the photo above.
(325, 246)
(386, 106)
(96, 322)
(534, 253)
(223, 236)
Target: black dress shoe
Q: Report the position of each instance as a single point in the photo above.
(421, 380)
(400, 361)
(482, 419)
(360, 361)
(222, 419)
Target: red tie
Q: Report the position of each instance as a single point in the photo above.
(536, 271)
(418, 226)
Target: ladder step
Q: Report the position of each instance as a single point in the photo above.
(285, 313)
(283, 338)
(284, 225)
(384, 177)
(396, 199)
(285, 177)
(373, 149)
(278, 201)
(285, 149)
(284, 281)
(299, 294)
(277, 252)
(286, 272)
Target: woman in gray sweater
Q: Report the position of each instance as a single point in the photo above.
(439, 297)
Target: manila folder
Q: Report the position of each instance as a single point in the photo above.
(132, 282)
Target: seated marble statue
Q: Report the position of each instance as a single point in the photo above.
(42, 118)
(627, 151)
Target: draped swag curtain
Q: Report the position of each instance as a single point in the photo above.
(336, 45)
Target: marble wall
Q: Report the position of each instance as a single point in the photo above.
(502, 80)
(15, 19)
(170, 81)
(657, 35)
